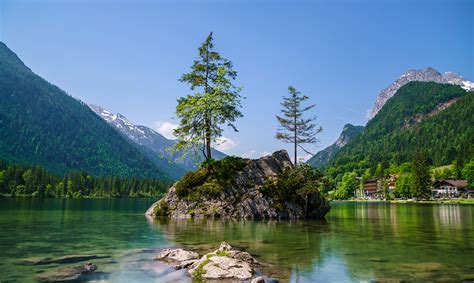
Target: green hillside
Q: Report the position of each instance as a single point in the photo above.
(42, 125)
(434, 117)
(321, 158)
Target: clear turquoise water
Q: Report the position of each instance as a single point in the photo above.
(357, 242)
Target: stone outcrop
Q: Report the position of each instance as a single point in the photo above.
(225, 263)
(243, 199)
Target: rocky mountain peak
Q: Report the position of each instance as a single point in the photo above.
(348, 133)
(140, 134)
(428, 74)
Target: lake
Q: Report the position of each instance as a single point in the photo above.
(357, 242)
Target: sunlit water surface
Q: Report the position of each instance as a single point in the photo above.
(357, 242)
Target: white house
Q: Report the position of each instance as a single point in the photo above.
(450, 188)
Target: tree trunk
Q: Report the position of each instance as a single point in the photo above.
(207, 138)
(306, 207)
(296, 155)
(296, 144)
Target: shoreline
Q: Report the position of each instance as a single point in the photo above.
(409, 201)
(81, 197)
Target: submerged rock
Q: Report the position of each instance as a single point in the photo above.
(71, 273)
(378, 259)
(35, 260)
(160, 270)
(242, 197)
(259, 279)
(63, 259)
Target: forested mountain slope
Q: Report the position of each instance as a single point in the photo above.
(42, 125)
(421, 115)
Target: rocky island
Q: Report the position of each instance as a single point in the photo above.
(235, 188)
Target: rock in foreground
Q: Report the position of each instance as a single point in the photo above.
(236, 190)
(225, 263)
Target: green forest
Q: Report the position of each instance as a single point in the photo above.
(21, 181)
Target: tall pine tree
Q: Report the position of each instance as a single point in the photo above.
(293, 127)
(421, 175)
(217, 102)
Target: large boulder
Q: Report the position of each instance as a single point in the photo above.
(221, 267)
(225, 263)
(242, 198)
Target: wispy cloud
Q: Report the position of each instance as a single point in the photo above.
(255, 154)
(225, 143)
(165, 128)
(250, 154)
(265, 153)
(368, 114)
(304, 158)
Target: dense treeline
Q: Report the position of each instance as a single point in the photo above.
(413, 179)
(409, 122)
(41, 124)
(20, 181)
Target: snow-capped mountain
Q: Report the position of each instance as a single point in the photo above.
(425, 75)
(139, 134)
(149, 138)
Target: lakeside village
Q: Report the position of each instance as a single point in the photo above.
(385, 188)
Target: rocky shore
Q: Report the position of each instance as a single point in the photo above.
(242, 197)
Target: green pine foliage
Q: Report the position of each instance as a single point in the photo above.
(217, 101)
(421, 175)
(294, 128)
(40, 124)
(408, 122)
(21, 181)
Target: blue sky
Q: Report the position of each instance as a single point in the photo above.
(127, 56)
